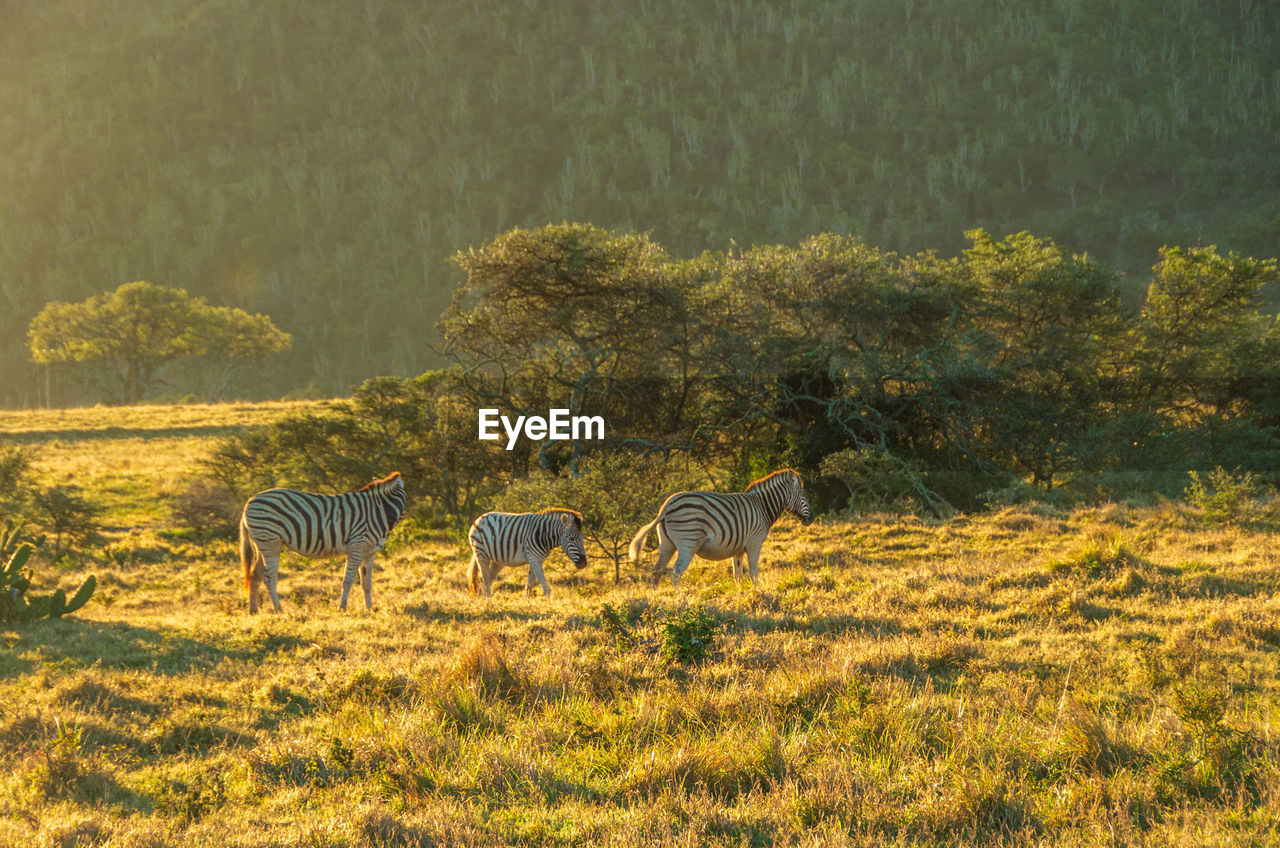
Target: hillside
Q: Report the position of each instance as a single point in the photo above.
(321, 164)
(1027, 676)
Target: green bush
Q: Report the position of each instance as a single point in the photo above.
(689, 635)
(1227, 498)
(62, 513)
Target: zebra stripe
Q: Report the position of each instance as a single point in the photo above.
(499, 539)
(355, 523)
(714, 525)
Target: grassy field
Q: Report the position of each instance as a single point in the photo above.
(1031, 676)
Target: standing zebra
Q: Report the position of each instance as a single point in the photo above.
(499, 539)
(355, 523)
(719, 526)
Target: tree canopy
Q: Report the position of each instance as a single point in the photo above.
(124, 341)
(886, 379)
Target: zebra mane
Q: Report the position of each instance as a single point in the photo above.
(555, 510)
(378, 484)
(763, 480)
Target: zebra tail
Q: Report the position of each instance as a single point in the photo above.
(637, 544)
(473, 575)
(248, 554)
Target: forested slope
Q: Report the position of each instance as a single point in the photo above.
(320, 163)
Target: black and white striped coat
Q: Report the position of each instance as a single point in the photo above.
(355, 524)
(499, 539)
(714, 526)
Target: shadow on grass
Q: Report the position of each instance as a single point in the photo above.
(92, 434)
(79, 643)
(756, 621)
(493, 612)
(759, 622)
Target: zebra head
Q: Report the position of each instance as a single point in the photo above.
(797, 503)
(571, 539)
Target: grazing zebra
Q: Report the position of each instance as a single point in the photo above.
(499, 539)
(719, 526)
(355, 523)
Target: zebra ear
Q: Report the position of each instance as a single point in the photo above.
(566, 519)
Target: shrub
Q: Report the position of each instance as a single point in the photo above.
(207, 508)
(61, 512)
(1226, 498)
(689, 635)
(14, 464)
(420, 426)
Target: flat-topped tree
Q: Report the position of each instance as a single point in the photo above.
(125, 341)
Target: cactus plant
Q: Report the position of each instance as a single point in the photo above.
(81, 597)
(15, 580)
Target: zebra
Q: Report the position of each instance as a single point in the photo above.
(355, 523)
(718, 526)
(499, 539)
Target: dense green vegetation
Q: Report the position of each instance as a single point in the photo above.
(320, 165)
(916, 382)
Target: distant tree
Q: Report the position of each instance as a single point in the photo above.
(126, 340)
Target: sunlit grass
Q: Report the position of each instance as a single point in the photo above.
(1104, 675)
(131, 459)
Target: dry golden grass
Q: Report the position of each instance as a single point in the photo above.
(1101, 676)
(133, 458)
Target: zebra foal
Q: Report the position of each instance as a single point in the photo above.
(355, 523)
(499, 539)
(719, 526)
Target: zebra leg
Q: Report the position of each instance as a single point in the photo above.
(535, 570)
(354, 558)
(489, 569)
(737, 567)
(666, 549)
(255, 582)
(270, 572)
(366, 581)
(682, 562)
(753, 559)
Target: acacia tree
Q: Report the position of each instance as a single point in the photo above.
(834, 345)
(574, 316)
(126, 340)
